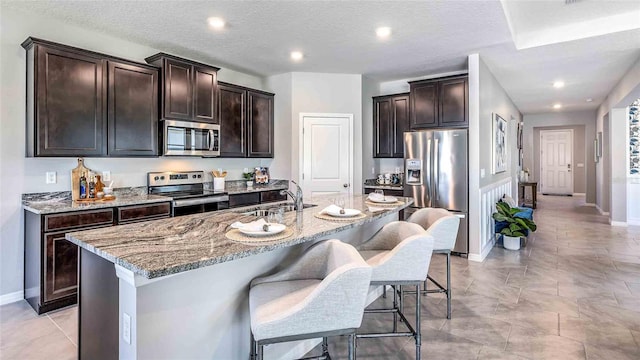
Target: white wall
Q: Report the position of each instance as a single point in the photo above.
(25, 175)
(623, 94)
(327, 93)
(281, 85)
(565, 120)
(486, 97)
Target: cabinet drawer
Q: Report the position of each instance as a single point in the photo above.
(271, 196)
(127, 214)
(238, 200)
(80, 219)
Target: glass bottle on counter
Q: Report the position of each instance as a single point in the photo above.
(83, 186)
(92, 188)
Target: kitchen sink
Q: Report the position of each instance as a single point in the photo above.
(264, 210)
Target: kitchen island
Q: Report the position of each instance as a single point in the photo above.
(178, 288)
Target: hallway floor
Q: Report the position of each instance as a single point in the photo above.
(572, 293)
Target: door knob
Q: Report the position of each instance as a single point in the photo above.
(345, 185)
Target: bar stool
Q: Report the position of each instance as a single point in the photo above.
(443, 225)
(397, 255)
(321, 294)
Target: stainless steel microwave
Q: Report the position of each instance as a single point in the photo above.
(185, 138)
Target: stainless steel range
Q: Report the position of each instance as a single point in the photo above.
(188, 192)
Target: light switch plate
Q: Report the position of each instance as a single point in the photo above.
(580, 165)
(106, 176)
(51, 177)
(482, 173)
(126, 328)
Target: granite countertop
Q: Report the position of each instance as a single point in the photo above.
(384, 187)
(240, 186)
(59, 202)
(168, 246)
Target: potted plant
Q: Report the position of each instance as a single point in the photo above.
(248, 176)
(516, 227)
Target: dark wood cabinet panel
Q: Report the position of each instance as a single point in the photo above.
(424, 104)
(271, 196)
(382, 127)
(177, 90)
(442, 102)
(64, 221)
(204, 94)
(69, 91)
(260, 124)
(400, 123)
(61, 267)
(233, 121)
(454, 102)
(135, 213)
(391, 120)
(238, 200)
(133, 110)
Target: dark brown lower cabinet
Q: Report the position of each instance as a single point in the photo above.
(51, 262)
(255, 198)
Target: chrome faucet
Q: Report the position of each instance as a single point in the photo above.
(297, 198)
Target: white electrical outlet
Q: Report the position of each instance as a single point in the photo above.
(126, 328)
(373, 171)
(51, 177)
(482, 173)
(106, 176)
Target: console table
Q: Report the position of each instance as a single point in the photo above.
(534, 193)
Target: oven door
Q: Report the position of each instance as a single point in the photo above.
(183, 138)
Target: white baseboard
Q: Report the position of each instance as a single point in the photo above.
(11, 297)
(590, 204)
(485, 251)
(579, 194)
(606, 213)
(617, 223)
(633, 222)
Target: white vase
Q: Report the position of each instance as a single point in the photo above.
(511, 242)
(249, 183)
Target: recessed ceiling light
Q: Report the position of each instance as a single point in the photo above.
(216, 23)
(557, 106)
(558, 84)
(383, 32)
(296, 55)
(589, 100)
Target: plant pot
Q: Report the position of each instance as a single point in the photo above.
(249, 183)
(511, 242)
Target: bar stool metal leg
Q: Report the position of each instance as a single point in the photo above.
(352, 346)
(395, 306)
(384, 291)
(254, 345)
(325, 347)
(449, 285)
(418, 336)
(260, 352)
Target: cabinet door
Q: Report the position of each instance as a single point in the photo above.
(61, 267)
(454, 102)
(400, 123)
(70, 97)
(205, 93)
(382, 127)
(133, 110)
(424, 104)
(260, 121)
(233, 121)
(177, 90)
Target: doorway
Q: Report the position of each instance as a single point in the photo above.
(556, 157)
(326, 153)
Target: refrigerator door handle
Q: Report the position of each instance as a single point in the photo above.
(436, 170)
(427, 172)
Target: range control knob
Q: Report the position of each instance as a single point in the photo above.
(156, 178)
(199, 176)
(162, 177)
(194, 176)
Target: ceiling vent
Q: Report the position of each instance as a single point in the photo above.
(569, 2)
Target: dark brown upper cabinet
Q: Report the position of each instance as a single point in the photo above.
(246, 122)
(260, 121)
(391, 120)
(440, 102)
(66, 92)
(189, 89)
(233, 121)
(83, 103)
(133, 109)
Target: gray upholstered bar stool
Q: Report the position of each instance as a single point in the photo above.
(443, 225)
(397, 254)
(321, 294)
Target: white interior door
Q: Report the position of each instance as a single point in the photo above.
(327, 154)
(556, 155)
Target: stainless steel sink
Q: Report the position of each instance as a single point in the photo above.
(288, 207)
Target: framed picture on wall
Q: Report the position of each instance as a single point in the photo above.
(499, 144)
(520, 130)
(599, 148)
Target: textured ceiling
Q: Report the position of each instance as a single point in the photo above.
(339, 36)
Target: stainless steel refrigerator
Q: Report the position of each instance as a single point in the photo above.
(437, 175)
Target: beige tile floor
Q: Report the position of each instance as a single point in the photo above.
(572, 293)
